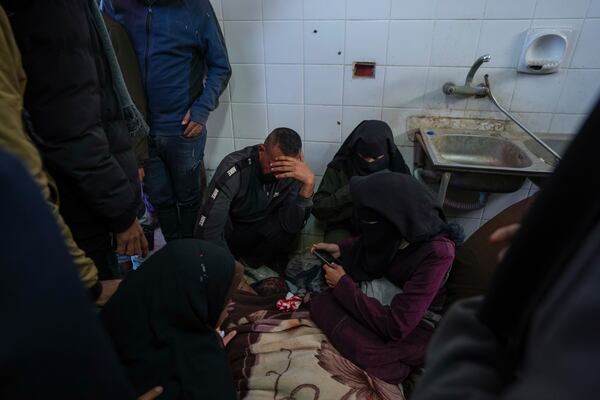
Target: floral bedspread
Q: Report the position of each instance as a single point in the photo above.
(284, 356)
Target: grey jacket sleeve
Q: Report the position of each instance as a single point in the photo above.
(215, 210)
(462, 358)
(294, 214)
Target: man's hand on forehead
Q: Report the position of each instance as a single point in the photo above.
(294, 167)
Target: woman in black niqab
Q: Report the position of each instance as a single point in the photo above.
(391, 211)
(370, 148)
(163, 321)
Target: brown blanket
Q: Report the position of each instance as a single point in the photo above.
(284, 356)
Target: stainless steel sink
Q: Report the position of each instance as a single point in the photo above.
(559, 144)
(486, 152)
(480, 151)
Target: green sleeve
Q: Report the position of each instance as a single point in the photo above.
(332, 202)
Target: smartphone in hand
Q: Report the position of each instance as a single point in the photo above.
(326, 257)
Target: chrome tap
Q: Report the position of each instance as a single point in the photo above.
(485, 90)
(467, 90)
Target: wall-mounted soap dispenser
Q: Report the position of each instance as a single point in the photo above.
(544, 50)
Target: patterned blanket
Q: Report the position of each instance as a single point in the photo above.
(284, 356)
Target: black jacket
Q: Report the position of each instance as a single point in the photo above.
(237, 196)
(79, 127)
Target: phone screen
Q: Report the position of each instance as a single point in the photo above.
(326, 257)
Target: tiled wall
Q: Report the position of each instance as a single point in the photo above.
(292, 63)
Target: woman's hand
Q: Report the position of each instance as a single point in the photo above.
(331, 248)
(152, 393)
(333, 274)
(228, 338)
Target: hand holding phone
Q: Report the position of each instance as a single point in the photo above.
(326, 257)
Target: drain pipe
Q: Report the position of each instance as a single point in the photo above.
(419, 173)
(468, 206)
(516, 121)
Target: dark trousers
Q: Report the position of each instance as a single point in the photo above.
(173, 175)
(261, 243)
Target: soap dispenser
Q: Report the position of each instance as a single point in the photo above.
(544, 50)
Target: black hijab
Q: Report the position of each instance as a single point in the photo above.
(390, 208)
(369, 139)
(565, 211)
(162, 321)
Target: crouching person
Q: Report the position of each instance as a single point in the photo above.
(258, 200)
(386, 297)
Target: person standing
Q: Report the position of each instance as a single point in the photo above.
(185, 68)
(81, 125)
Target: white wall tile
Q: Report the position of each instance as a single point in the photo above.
(225, 97)
(242, 10)
(405, 87)
(503, 40)
(363, 91)
(435, 97)
(538, 93)
(216, 150)
(283, 42)
(285, 83)
(454, 43)
(587, 53)
(396, 119)
(410, 9)
(366, 41)
(594, 10)
(243, 143)
(510, 9)
(319, 9)
(498, 202)
(220, 124)
(352, 116)
(282, 9)
(248, 83)
(326, 45)
(410, 42)
(216, 5)
(286, 115)
(536, 122)
(318, 155)
(373, 9)
(323, 123)
(244, 42)
(581, 91)
(567, 123)
(323, 84)
(502, 81)
(459, 9)
(249, 121)
(561, 8)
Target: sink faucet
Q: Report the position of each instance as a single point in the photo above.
(485, 90)
(468, 90)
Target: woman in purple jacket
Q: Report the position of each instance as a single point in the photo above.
(385, 300)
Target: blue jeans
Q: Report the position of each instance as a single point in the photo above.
(173, 173)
